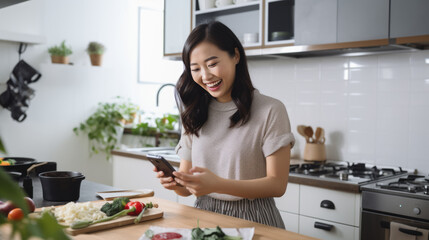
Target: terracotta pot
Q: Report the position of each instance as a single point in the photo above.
(96, 59)
(60, 59)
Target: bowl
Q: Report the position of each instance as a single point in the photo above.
(280, 35)
(61, 186)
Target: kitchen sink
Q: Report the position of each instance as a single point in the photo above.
(167, 152)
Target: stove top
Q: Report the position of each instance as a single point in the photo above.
(353, 173)
(410, 185)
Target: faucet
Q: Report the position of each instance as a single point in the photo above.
(178, 104)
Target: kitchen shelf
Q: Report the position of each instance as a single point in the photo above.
(21, 37)
(230, 8)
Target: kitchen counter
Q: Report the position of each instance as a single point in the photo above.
(293, 178)
(181, 216)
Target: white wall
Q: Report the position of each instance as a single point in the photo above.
(374, 109)
(67, 95)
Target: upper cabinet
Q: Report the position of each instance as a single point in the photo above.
(315, 22)
(244, 17)
(177, 25)
(279, 22)
(363, 20)
(409, 18)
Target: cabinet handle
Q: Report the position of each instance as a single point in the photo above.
(323, 226)
(410, 232)
(327, 204)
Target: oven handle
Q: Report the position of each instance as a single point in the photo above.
(410, 232)
(386, 225)
(327, 204)
(323, 226)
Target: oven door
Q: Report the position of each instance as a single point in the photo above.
(376, 226)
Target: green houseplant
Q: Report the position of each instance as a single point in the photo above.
(105, 124)
(96, 51)
(59, 54)
(163, 128)
(2, 148)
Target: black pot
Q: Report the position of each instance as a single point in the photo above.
(21, 165)
(61, 186)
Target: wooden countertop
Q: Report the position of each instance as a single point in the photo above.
(181, 216)
(293, 178)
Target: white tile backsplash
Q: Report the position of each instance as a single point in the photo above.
(374, 109)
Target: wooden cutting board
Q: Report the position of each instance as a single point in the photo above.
(152, 213)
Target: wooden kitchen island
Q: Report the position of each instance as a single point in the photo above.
(181, 216)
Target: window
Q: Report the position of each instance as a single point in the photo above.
(152, 68)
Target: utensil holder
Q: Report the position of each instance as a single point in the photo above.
(314, 152)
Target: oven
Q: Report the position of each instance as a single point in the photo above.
(402, 203)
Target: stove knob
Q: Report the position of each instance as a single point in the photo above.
(417, 211)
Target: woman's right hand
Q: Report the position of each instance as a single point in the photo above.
(166, 182)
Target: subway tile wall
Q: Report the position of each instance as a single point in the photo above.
(374, 109)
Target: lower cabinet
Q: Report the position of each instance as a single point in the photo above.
(323, 229)
(291, 221)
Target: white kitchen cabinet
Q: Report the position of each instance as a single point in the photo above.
(131, 173)
(331, 205)
(315, 21)
(326, 230)
(189, 200)
(289, 202)
(363, 20)
(409, 18)
(177, 25)
(240, 18)
(291, 221)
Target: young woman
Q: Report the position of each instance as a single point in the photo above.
(235, 149)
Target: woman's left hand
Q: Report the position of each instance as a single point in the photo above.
(200, 181)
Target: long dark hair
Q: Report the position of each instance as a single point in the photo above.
(194, 98)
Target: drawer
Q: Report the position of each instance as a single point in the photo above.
(338, 231)
(289, 202)
(329, 205)
(291, 221)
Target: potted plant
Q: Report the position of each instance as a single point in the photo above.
(163, 128)
(2, 148)
(95, 51)
(105, 126)
(59, 54)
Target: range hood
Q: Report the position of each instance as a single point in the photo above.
(6, 3)
(337, 49)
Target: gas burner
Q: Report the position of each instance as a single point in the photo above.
(410, 183)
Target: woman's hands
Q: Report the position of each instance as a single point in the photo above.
(200, 181)
(166, 182)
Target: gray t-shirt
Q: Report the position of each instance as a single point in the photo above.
(238, 153)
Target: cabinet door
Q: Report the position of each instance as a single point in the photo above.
(130, 173)
(409, 18)
(320, 229)
(291, 221)
(177, 25)
(328, 204)
(279, 26)
(363, 20)
(315, 22)
(289, 202)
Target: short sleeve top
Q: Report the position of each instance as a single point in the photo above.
(239, 152)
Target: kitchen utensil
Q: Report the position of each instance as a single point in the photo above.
(314, 152)
(301, 130)
(149, 214)
(317, 134)
(34, 166)
(309, 132)
(21, 165)
(61, 186)
(110, 195)
(279, 35)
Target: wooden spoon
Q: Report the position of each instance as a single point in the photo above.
(301, 130)
(318, 134)
(309, 132)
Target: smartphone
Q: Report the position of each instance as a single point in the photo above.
(162, 165)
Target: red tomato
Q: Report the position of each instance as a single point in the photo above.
(15, 214)
(138, 205)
